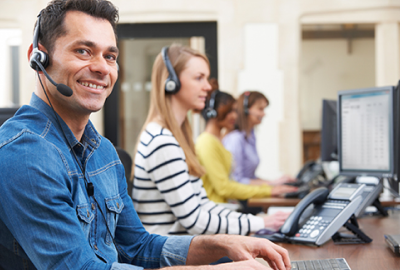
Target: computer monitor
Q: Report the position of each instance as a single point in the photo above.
(366, 132)
(6, 113)
(329, 148)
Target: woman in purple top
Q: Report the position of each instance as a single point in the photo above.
(241, 142)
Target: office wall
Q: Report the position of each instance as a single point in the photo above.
(261, 73)
(327, 66)
(8, 37)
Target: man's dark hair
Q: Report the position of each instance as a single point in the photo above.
(52, 17)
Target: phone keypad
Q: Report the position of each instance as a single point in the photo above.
(313, 227)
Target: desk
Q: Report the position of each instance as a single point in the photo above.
(375, 255)
(267, 202)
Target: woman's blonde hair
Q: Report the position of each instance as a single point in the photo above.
(160, 103)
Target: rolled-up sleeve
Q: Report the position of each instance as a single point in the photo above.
(175, 250)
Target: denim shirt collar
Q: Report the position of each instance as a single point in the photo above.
(90, 135)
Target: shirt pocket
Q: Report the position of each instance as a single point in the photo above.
(114, 208)
(85, 218)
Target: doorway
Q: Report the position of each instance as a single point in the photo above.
(126, 109)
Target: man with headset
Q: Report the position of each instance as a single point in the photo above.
(64, 203)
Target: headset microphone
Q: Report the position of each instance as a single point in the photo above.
(62, 88)
(40, 60)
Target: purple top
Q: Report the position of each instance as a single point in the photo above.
(245, 156)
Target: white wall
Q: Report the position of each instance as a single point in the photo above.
(327, 67)
(8, 37)
(261, 73)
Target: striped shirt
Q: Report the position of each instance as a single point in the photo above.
(171, 201)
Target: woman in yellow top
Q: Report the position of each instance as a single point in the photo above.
(220, 113)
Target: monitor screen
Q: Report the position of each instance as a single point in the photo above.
(366, 132)
(329, 147)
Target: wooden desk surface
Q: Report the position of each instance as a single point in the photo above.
(375, 255)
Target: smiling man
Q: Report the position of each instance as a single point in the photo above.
(64, 203)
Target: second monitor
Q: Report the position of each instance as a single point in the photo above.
(366, 132)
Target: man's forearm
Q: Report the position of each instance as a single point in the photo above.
(205, 249)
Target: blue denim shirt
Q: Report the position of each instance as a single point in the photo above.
(47, 219)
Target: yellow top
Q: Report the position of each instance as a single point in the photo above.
(218, 161)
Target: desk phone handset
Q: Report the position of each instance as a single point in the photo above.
(319, 215)
(310, 172)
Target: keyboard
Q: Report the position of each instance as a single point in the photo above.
(325, 264)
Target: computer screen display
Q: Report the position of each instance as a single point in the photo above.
(329, 148)
(366, 132)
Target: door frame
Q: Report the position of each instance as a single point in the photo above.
(208, 30)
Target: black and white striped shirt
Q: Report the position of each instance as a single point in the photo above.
(169, 200)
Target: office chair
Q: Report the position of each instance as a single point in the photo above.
(127, 162)
(6, 113)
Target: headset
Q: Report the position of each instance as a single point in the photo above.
(211, 112)
(40, 60)
(246, 102)
(172, 84)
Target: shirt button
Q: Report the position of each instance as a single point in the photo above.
(88, 215)
(118, 205)
(93, 207)
(95, 247)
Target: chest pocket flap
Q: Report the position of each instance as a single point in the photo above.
(85, 214)
(114, 208)
(115, 204)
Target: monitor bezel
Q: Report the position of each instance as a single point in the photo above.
(357, 172)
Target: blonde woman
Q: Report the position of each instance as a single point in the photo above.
(168, 193)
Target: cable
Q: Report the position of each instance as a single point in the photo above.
(88, 184)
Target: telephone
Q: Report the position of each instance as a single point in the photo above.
(370, 195)
(310, 172)
(321, 214)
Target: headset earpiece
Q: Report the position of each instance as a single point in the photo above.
(38, 55)
(210, 111)
(246, 103)
(172, 84)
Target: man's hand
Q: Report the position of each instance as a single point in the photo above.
(246, 248)
(242, 265)
(207, 249)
